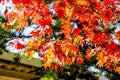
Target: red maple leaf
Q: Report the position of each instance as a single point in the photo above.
(101, 37)
(11, 43)
(112, 46)
(60, 12)
(70, 2)
(49, 31)
(25, 1)
(44, 22)
(5, 12)
(76, 31)
(1, 1)
(107, 13)
(19, 46)
(108, 2)
(35, 33)
(15, 2)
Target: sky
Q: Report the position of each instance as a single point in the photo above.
(3, 7)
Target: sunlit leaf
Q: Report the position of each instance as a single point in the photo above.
(46, 64)
(30, 53)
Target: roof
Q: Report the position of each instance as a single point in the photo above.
(9, 69)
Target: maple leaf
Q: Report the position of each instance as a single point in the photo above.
(11, 43)
(70, 2)
(46, 64)
(20, 26)
(44, 22)
(101, 59)
(68, 61)
(30, 53)
(66, 29)
(117, 69)
(100, 38)
(100, 63)
(16, 44)
(35, 45)
(107, 13)
(30, 43)
(5, 12)
(50, 53)
(78, 39)
(109, 66)
(19, 46)
(59, 67)
(89, 34)
(108, 2)
(35, 15)
(49, 32)
(25, 1)
(54, 66)
(19, 7)
(117, 35)
(35, 33)
(1, 1)
(50, 50)
(83, 2)
(39, 1)
(60, 12)
(60, 3)
(79, 61)
(89, 54)
(76, 31)
(15, 2)
(93, 1)
(23, 22)
(112, 46)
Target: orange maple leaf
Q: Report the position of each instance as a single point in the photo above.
(30, 53)
(78, 39)
(102, 59)
(117, 35)
(83, 2)
(46, 64)
(117, 69)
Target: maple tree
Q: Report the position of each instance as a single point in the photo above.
(70, 31)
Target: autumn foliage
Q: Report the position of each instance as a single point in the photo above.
(82, 23)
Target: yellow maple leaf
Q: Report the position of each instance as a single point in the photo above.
(78, 39)
(50, 53)
(30, 43)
